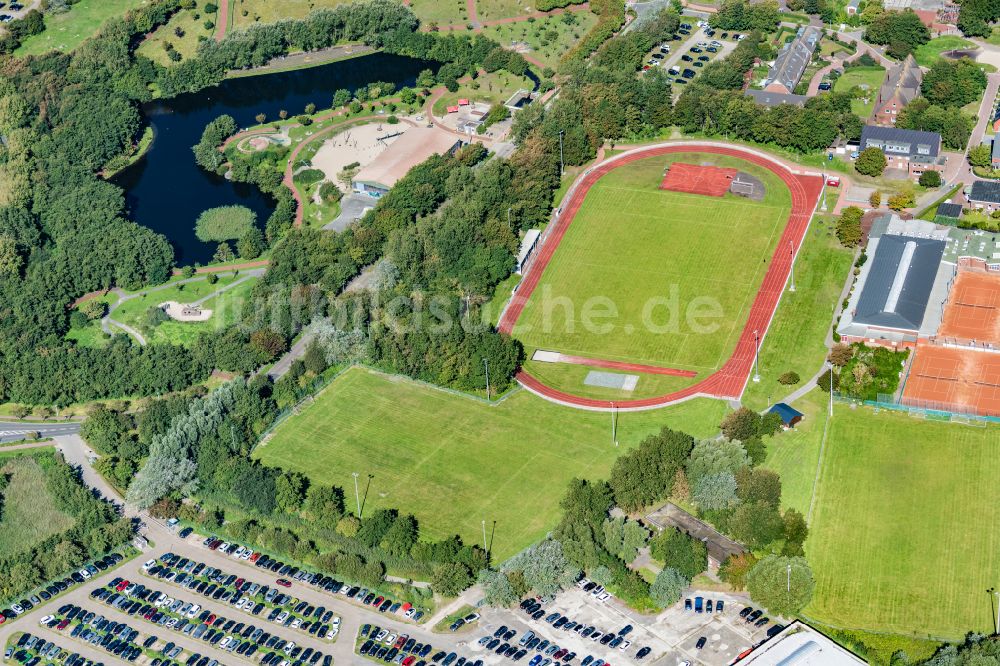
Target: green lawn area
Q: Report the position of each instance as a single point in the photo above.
(905, 530)
(796, 338)
(455, 461)
(441, 12)
(868, 79)
(490, 10)
(794, 453)
(64, 32)
(247, 12)
(548, 38)
(638, 267)
(191, 25)
(225, 309)
(488, 89)
(930, 52)
(28, 513)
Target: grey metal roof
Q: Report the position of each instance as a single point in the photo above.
(986, 191)
(769, 99)
(901, 142)
(899, 282)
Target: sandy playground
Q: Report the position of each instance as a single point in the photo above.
(176, 311)
(362, 144)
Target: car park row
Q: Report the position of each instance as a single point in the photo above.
(58, 587)
(247, 596)
(383, 645)
(118, 639)
(31, 650)
(291, 574)
(241, 639)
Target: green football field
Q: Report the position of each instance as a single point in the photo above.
(648, 276)
(454, 461)
(906, 527)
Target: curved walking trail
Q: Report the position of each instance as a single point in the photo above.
(108, 321)
(727, 382)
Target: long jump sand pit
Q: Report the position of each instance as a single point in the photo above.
(361, 144)
(955, 380)
(973, 309)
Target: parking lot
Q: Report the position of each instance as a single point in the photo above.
(690, 53)
(672, 635)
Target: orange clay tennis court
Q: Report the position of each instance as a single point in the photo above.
(973, 310)
(956, 380)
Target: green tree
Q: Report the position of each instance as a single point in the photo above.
(796, 531)
(717, 491)
(782, 585)
(646, 473)
(450, 579)
(849, 230)
(930, 179)
(679, 551)
(251, 244)
(324, 504)
(290, 491)
(668, 587)
(980, 156)
(735, 569)
(871, 162)
(497, 589)
(756, 524)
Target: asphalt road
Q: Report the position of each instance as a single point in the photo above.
(12, 431)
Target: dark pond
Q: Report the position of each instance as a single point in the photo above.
(166, 191)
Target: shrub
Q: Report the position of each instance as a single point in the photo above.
(871, 162)
(309, 177)
(930, 179)
(789, 378)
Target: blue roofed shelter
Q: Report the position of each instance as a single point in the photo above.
(789, 415)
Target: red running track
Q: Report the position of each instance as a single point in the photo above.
(621, 365)
(728, 381)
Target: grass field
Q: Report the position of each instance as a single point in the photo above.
(454, 461)
(867, 78)
(441, 12)
(28, 513)
(190, 23)
(794, 453)
(642, 255)
(225, 309)
(929, 53)
(796, 338)
(64, 32)
(906, 529)
(548, 38)
(247, 12)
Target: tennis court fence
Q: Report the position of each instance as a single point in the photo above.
(923, 409)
